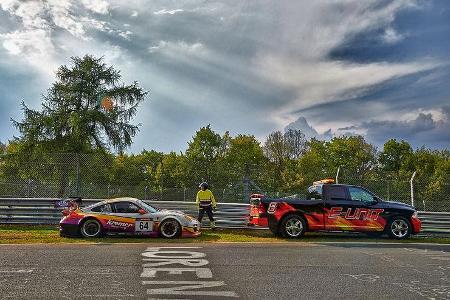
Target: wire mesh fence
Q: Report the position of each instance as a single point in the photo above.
(96, 176)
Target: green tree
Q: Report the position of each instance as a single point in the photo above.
(202, 154)
(353, 154)
(394, 155)
(71, 119)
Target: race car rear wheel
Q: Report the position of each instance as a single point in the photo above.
(293, 226)
(170, 229)
(399, 228)
(91, 228)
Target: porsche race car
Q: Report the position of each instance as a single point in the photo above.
(126, 216)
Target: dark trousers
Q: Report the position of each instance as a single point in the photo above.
(208, 210)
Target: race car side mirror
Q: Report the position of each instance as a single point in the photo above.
(142, 211)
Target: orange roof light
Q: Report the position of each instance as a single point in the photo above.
(324, 181)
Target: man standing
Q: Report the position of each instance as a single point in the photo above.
(206, 203)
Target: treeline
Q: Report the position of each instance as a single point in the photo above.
(284, 162)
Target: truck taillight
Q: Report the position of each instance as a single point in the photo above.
(261, 208)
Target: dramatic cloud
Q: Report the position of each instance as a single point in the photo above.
(431, 129)
(243, 66)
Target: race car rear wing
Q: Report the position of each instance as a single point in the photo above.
(69, 203)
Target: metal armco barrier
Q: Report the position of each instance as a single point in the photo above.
(41, 211)
(227, 215)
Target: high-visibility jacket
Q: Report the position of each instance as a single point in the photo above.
(205, 198)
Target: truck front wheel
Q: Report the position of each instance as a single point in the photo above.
(293, 226)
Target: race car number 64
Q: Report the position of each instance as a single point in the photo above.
(142, 226)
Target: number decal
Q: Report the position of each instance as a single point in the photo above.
(272, 208)
(143, 226)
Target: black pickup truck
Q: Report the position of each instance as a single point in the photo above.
(334, 207)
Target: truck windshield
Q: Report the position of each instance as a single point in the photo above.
(315, 192)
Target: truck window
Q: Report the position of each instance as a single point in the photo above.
(359, 194)
(314, 192)
(336, 192)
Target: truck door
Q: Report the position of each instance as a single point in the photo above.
(338, 208)
(366, 213)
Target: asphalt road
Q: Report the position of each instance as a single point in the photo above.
(225, 271)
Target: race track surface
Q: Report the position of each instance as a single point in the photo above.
(225, 271)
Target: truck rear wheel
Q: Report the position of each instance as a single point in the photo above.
(293, 226)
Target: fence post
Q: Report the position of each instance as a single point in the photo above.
(145, 193)
(78, 176)
(337, 174)
(184, 194)
(411, 182)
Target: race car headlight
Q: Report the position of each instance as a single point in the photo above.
(415, 214)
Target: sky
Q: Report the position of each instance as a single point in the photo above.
(376, 68)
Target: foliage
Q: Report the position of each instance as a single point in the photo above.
(71, 120)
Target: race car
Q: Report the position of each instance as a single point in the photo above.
(128, 216)
(335, 207)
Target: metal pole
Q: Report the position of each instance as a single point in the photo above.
(184, 194)
(412, 187)
(337, 174)
(78, 175)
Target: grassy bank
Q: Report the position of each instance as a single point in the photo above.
(21, 234)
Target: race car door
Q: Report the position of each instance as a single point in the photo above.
(129, 219)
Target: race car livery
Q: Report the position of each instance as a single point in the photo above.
(127, 216)
(334, 207)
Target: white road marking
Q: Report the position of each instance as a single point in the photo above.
(170, 254)
(189, 263)
(200, 272)
(185, 286)
(18, 271)
(157, 262)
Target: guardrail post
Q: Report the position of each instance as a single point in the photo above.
(411, 183)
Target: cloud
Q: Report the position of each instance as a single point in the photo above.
(309, 132)
(167, 12)
(301, 61)
(178, 48)
(97, 6)
(391, 36)
(424, 128)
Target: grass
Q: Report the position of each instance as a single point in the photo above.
(31, 234)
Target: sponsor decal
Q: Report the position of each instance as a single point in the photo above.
(355, 213)
(119, 224)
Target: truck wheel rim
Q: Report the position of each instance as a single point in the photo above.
(294, 227)
(399, 228)
(91, 228)
(169, 229)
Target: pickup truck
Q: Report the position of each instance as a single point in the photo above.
(334, 207)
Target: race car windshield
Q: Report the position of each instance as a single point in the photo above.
(148, 207)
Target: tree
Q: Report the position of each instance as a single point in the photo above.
(352, 153)
(71, 118)
(202, 154)
(296, 143)
(394, 154)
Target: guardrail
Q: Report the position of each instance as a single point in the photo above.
(228, 215)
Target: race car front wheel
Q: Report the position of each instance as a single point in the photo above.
(91, 228)
(293, 226)
(399, 228)
(170, 229)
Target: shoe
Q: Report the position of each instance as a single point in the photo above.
(213, 225)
